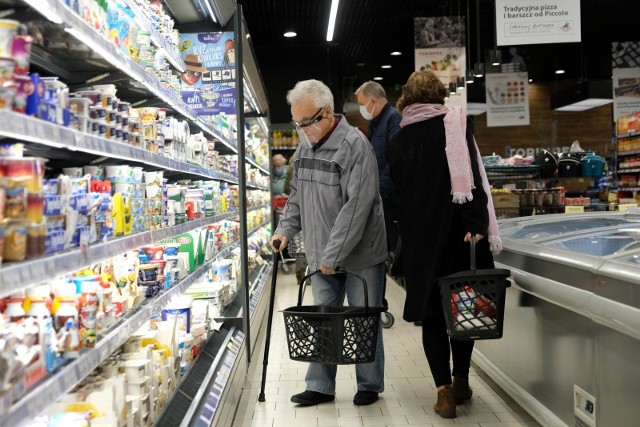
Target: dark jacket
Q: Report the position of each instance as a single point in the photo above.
(335, 202)
(381, 130)
(432, 227)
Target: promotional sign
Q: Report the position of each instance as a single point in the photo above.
(625, 58)
(507, 99)
(537, 21)
(208, 83)
(447, 63)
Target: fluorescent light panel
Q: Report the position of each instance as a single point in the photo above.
(332, 19)
(587, 104)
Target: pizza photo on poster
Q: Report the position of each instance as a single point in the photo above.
(208, 82)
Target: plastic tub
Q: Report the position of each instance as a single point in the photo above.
(181, 308)
(8, 29)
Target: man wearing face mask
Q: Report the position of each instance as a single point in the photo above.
(335, 203)
(384, 123)
(279, 166)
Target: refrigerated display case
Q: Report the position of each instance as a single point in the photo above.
(72, 47)
(572, 321)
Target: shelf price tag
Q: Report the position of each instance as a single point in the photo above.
(573, 209)
(627, 207)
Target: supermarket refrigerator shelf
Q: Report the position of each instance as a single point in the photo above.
(30, 129)
(25, 274)
(169, 51)
(51, 388)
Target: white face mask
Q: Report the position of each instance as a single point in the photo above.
(365, 112)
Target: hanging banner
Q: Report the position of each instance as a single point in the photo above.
(208, 84)
(438, 42)
(447, 63)
(625, 58)
(507, 99)
(537, 21)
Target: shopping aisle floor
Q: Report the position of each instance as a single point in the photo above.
(407, 400)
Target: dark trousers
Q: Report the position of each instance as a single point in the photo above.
(390, 216)
(439, 348)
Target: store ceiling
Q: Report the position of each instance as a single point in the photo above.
(367, 31)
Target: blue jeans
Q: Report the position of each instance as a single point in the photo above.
(330, 290)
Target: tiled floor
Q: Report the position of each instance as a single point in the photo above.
(407, 401)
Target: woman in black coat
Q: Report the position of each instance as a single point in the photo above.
(436, 170)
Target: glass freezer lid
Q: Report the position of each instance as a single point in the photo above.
(549, 229)
(600, 244)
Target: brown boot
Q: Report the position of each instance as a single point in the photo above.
(461, 390)
(446, 406)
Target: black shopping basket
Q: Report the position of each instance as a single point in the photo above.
(332, 335)
(473, 302)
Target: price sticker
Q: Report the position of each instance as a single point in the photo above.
(573, 209)
(626, 206)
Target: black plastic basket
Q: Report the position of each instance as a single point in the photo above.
(332, 335)
(473, 302)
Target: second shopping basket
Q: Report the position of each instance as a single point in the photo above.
(473, 302)
(332, 335)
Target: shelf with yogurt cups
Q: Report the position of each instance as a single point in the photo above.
(47, 390)
(24, 274)
(81, 30)
(168, 47)
(26, 128)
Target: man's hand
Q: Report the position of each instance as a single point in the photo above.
(283, 242)
(467, 238)
(327, 270)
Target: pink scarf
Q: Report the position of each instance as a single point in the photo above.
(455, 124)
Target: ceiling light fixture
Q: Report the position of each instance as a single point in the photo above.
(583, 96)
(396, 53)
(495, 57)
(290, 34)
(530, 80)
(385, 66)
(332, 19)
(469, 77)
(377, 78)
(559, 71)
(478, 69)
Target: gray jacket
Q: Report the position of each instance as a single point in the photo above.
(335, 202)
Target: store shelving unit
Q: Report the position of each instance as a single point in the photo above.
(630, 139)
(67, 143)
(51, 388)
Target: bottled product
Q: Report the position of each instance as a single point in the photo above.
(67, 311)
(88, 313)
(14, 311)
(38, 308)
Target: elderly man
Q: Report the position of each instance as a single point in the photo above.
(335, 202)
(384, 123)
(278, 174)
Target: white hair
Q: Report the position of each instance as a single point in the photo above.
(372, 89)
(314, 89)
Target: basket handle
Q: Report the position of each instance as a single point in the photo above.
(339, 270)
(472, 254)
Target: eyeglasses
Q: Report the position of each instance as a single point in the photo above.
(305, 123)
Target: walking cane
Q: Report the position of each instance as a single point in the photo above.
(265, 361)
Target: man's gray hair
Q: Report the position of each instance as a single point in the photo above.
(372, 89)
(314, 89)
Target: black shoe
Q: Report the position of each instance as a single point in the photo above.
(308, 398)
(363, 398)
